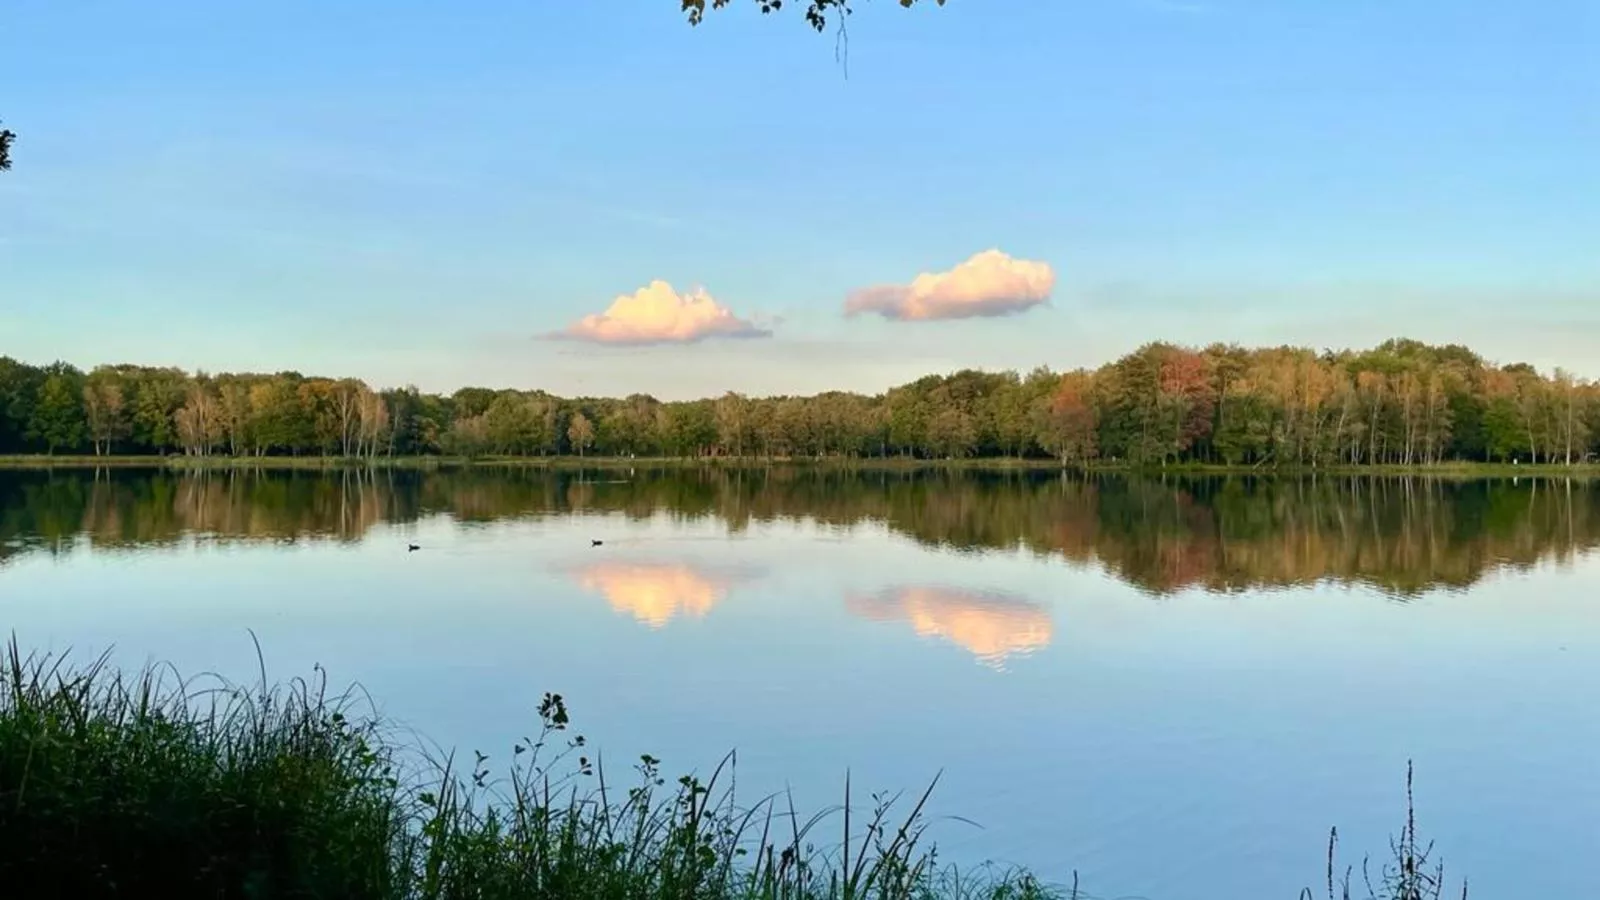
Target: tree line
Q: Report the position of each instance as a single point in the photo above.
(1401, 403)
(1220, 533)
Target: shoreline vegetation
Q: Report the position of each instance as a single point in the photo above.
(111, 783)
(1402, 403)
(1449, 468)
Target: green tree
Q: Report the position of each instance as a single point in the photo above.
(690, 428)
(1010, 406)
(908, 417)
(1131, 421)
(406, 422)
(630, 426)
(6, 138)
(318, 427)
(520, 424)
(57, 420)
(19, 390)
(234, 413)
(733, 422)
(473, 401)
(433, 417)
(952, 434)
(157, 396)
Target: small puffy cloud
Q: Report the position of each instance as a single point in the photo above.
(991, 283)
(657, 314)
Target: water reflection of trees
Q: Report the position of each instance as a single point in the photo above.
(1217, 533)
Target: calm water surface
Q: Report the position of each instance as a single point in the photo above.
(1174, 687)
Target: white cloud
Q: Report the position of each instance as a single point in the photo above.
(657, 314)
(989, 284)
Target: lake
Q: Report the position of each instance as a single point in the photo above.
(1173, 686)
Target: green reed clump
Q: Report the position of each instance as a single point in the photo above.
(114, 786)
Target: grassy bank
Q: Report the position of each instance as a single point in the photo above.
(1454, 469)
(40, 461)
(1464, 470)
(114, 786)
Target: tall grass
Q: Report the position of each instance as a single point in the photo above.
(115, 787)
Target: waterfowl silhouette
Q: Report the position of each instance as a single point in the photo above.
(412, 548)
(595, 543)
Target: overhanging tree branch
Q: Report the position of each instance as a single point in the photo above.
(817, 12)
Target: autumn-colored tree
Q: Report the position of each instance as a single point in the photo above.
(580, 432)
(1065, 422)
(1188, 400)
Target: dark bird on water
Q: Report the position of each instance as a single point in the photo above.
(412, 548)
(594, 543)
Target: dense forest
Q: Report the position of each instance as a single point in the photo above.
(1403, 402)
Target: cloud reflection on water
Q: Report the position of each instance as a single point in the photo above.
(991, 625)
(655, 592)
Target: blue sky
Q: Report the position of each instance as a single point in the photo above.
(414, 191)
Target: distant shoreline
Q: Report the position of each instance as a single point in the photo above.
(980, 464)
